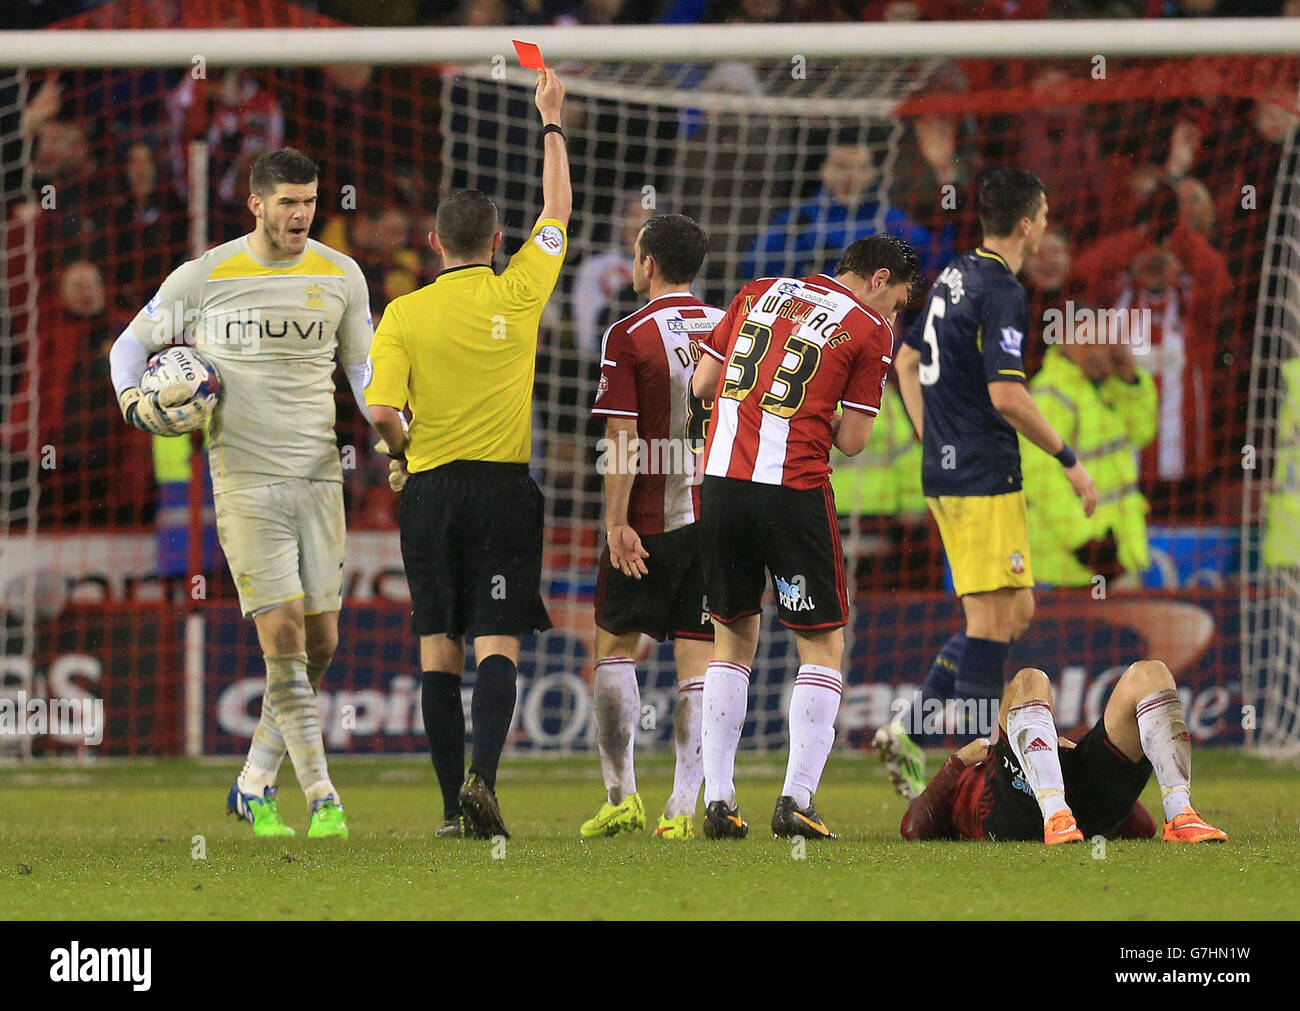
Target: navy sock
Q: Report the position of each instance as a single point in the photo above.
(444, 725)
(981, 676)
(938, 688)
(492, 709)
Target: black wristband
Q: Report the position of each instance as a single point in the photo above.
(552, 128)
(1066, 456)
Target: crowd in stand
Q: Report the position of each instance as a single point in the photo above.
(1151, 220)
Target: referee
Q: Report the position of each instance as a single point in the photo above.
(461, 353)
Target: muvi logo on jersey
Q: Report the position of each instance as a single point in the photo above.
(793, 593)
(248, 330)
(244, 329)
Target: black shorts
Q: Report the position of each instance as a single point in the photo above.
(1101, 786)
(472, 548)
(747, 528)
(668, 601)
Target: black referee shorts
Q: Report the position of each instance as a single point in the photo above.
(748, 529)
(472, 547)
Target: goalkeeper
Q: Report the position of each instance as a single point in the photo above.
(273, 310)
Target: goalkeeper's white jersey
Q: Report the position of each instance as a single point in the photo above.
(274, 331)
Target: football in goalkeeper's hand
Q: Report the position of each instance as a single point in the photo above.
(180, 375)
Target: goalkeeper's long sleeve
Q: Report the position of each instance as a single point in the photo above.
(357, 380)
(127, 359)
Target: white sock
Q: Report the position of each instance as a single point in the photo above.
(813, 705)
(688, 774)
(618, 704)
(266, 750)
(726, 698)
(298, 718)
(1168, 746)
(265, 753)
(1031, 732)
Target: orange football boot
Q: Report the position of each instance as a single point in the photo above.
(1061, 828)
(1191, 827)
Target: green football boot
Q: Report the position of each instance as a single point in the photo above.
(328, 820)
(681, 827)
(611, 819)
(261, 812)
(903, 758)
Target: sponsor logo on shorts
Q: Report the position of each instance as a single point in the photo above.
(793, 593)
(550, 239)
(1017, 563)
(1018, 781)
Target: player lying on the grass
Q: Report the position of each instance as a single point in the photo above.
(651, 578)
(1024, 787)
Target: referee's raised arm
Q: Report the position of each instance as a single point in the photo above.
(557, 191)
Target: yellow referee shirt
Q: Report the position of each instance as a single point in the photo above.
(462, 352)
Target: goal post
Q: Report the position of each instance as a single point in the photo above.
(254, 47)
(737, 133)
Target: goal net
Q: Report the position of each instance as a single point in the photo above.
(1271, 510)
(1172, 238)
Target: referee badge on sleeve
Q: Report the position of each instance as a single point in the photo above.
(551, 239)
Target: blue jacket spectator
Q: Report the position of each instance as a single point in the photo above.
(809, 239)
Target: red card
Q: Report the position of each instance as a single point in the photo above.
(530, 56)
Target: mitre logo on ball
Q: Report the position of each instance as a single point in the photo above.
(184, 367)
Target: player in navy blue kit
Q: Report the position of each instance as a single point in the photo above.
(963, 381)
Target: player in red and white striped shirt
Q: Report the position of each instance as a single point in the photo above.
(651, 578)
(787, 353)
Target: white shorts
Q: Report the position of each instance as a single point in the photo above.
(284, 542)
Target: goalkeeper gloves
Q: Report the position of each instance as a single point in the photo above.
(165, 412)
(396, 467)
(397, 474)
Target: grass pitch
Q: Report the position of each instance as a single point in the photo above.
(150, 841)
